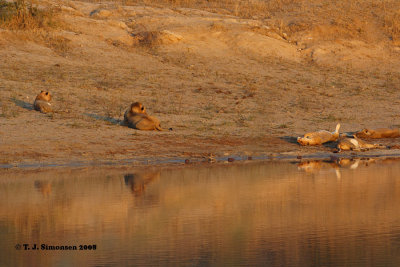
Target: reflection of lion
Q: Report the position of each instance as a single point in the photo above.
(378, 133)
(42, 102)
(318, 138)
(43, 187)
(349, 163)
(136, 117)
(354, 163)
(138, 181)
(314, 166)
(355, 144)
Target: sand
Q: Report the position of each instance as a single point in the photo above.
(225, 85)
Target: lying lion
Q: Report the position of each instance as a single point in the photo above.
(378, 133)
(356, 144)
(318, 138)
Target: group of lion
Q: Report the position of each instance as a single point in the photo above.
(348, 141)
(135, 117)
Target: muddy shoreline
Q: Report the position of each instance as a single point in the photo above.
(178, 162)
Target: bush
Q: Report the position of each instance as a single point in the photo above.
(22, 15)
(7, 10)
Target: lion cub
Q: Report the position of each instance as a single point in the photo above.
(137, 118)
(42, 102)
(318, 138)
(379, 133)
(355, 144)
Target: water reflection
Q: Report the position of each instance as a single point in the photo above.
(270, 214)
(315, 166)
(43, 187)
(137, 182)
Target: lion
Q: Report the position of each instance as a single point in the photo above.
(378, 133)
(42, 102)
(356, 144)
(137, 118)
(318, 138)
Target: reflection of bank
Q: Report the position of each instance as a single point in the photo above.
(138, 181)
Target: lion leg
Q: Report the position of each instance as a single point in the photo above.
(146, 125)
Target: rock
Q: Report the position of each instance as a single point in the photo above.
(100, 13)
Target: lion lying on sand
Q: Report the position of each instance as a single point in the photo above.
(378, 133)
(318, 138)
(137, 118)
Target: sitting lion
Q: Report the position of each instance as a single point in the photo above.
(318, 138)
(137, 118)
(42, 102)
(378, 133)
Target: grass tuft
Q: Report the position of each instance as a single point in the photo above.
(23, 15)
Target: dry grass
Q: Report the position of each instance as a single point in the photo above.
(23, 15)
(368, 20)
(8, 111)
(363, 19)
(392, 26)
(35, 24)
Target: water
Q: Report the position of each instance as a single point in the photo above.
(260, 214)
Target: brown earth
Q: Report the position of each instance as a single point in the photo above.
(225, 84)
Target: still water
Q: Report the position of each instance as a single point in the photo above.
(343, 213)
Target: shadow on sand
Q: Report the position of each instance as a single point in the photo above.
(289, 139)
(332, 144)
(104, 118)
(22, 104)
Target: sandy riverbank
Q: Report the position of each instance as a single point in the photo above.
(226, 85)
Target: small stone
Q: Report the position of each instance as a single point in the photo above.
(100, 13)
